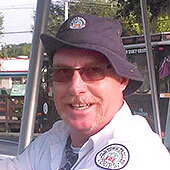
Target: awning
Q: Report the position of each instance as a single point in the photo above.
(13, 74)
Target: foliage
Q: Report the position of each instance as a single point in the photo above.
(128, 12)
(56, 17)
(163, 23)
(158, 11)
(133, 6)
(15, 50)
(99, 7)
(1, 23)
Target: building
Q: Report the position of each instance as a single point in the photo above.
(13, 71)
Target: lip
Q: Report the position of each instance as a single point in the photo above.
(80, 106)
(80, 112)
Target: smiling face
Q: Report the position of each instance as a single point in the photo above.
(86, 106)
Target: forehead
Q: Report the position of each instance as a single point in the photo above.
(78, 57)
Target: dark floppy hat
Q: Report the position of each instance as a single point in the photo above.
(98, 34)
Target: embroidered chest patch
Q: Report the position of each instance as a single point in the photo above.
(113, 157)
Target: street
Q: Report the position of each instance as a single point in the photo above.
(8, 147)
(9, 144)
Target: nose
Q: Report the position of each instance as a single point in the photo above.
(77, 85)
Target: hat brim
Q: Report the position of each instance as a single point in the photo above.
(121, 66)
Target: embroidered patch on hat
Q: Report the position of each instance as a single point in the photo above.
(77, 23)
(113, 157)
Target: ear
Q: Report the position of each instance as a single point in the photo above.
(124, 83)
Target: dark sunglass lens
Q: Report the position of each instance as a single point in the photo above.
(93, 74)
(62, 75)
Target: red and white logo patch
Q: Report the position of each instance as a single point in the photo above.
(113, 157)
(77, 23)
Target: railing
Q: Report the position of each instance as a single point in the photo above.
(10, 112)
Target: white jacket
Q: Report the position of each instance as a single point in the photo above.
(126, 143)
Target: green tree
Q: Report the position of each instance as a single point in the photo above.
(162, 23)
(25, 49)
(15, 50)
(128, 12)
(56, 17)
(98, 7)
(1, 23)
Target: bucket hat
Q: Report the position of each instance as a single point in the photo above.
(99, 34)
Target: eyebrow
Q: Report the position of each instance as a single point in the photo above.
(86, 65)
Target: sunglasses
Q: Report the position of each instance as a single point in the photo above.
(92, 73)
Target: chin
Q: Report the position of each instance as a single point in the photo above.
(79, 126)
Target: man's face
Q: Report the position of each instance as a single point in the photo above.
(86, 106)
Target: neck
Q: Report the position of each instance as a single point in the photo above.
(78, 139)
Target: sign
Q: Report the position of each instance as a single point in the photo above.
(14, 64)
(18, 90)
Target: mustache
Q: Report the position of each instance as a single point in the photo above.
(81, 100)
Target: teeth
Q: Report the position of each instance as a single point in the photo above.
(80, 106)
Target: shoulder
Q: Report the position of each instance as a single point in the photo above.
(143, 144)
(56, 134)
(139, 126)
(132, 128)
(135, 131)
(140, 132)
(38, 153)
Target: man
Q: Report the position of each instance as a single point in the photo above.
(90, 78)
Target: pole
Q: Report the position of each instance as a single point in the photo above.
(34, 75)
(152, 79)
(66, 10)
(167, 129)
